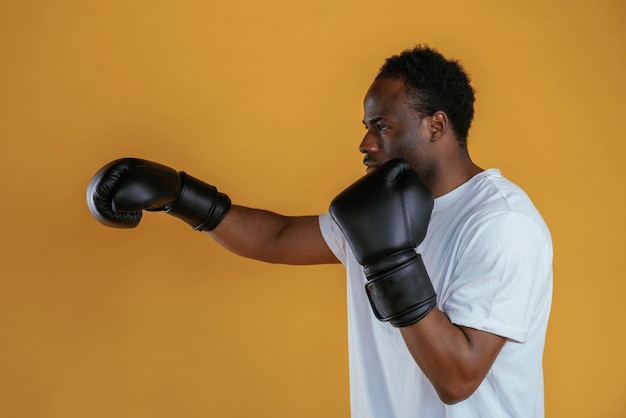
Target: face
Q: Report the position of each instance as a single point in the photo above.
(394, 129)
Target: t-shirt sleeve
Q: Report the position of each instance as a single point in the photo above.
(333, 236)
(502, 267)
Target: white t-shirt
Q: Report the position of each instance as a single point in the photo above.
(489, 256)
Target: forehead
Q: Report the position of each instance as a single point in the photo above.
(386, 96)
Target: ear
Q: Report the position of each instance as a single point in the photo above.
(438, 125)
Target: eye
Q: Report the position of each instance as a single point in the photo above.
(376, 125)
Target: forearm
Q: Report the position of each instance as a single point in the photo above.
(251, 233)
(271, 237)
(455, 359)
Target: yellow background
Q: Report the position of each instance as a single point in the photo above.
(264, 100)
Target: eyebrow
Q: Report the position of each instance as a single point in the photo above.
(373, 120)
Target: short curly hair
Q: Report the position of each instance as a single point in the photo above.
(434, 83)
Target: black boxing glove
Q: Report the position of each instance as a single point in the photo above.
(384, 217)
(119, 192)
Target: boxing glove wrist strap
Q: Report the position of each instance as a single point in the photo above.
(399, 289)
(199, 204)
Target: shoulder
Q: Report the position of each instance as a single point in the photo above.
(486, 216)
(497, 205)
(488, 205)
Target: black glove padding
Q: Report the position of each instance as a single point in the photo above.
(119, 192)
(384, 217)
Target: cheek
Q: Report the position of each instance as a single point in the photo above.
(407, 145)
(413, 149)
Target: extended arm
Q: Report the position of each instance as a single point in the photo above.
(121, 190)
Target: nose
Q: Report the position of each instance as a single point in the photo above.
(369, 144)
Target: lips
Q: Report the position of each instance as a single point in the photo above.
(370, 163)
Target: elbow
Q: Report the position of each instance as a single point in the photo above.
(453, 393)
(457, 384)
(450, 399)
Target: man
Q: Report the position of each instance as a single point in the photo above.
(452, 328)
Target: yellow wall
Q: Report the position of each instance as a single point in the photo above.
(263, 99)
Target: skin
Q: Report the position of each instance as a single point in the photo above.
(455, 359)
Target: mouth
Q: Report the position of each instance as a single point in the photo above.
(370, 164)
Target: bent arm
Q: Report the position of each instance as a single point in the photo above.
(273, 238)
(455, 359)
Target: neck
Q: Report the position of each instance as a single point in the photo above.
(451, 173)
